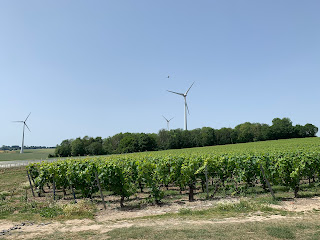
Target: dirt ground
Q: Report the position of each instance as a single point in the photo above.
(300, 204)
(113, 218)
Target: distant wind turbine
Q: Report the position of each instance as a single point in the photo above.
(24, 125)
(185, 104)
(167, 122)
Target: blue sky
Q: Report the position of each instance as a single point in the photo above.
(98, 68)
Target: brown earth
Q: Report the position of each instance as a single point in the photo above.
(299, 204)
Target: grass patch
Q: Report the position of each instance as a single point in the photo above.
(282, 232)
(82, 209)
(154, 233)
(87, 235)
(265, 199)
(305, 228)
(29, 154)
(51, 211)
(284, 229)
(221, 210)
(11, 178)
(18, 210)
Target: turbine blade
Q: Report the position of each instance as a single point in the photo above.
(27, 117)
(18, 121)
(189, 89)
(176, 93)
(27, 127)
(171, 119)
(165, 118)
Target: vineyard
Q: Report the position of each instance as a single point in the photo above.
(237, 168)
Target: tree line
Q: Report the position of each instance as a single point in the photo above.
(16, 147)
(178, 138)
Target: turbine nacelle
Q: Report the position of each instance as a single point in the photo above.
(167, 119)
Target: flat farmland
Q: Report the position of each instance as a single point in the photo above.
(29, 154)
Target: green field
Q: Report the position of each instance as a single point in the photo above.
(29, 154)
(38, 154)
(262, 146)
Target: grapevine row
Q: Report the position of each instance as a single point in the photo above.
(126, 175)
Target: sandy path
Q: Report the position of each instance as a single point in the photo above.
(300, 204)
(30, 232)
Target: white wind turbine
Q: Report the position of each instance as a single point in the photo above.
(167, 122)
(24, 125)
(185, 104)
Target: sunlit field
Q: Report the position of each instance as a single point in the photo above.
(29, 154)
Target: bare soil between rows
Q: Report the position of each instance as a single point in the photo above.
(114, 218)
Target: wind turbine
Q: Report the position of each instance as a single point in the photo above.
(167, 122)
(24, 125)
(185, 104)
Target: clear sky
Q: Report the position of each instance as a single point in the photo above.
(98, 68)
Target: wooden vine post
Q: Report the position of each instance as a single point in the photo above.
(101, 194)
(54, 189)
(74, 195)
(30, 183)
(207, 187)
(268, 183)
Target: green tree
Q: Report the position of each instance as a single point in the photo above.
(64, 149)
(128, 144)
(163, 139)
(185, 140)
(77, 147)
(115, 141)
(146, 142)
(107, 146)
(208, 136)
(176, 139)
(311, 130)
(86, 140)
(261, 132)
(195, 137)
(245, 132)
(299, 131)
(94, 148)
(226, 136)
(282, 128)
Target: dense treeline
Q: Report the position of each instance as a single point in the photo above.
(178, 138)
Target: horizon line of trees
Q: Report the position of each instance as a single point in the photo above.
(178, 138)
(16, 147)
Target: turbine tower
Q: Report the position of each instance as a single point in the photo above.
(24, 125)
(185, 105)
(167, 122)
